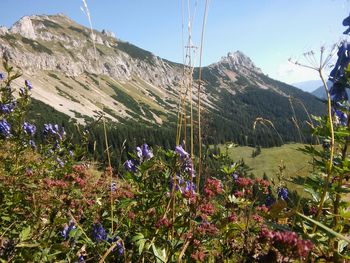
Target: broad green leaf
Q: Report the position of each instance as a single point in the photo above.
(157, 254)
(25, 233)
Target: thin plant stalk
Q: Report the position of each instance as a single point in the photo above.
(199, 96)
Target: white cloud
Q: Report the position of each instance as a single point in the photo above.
(291, 73)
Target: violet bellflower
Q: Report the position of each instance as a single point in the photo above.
(67, 229)
(130, 166)
(5, 128)
(28, 84)
(2, 76)
(29, 129)
(283, 193)
(144, 153)
(98, 233)
(8, 107)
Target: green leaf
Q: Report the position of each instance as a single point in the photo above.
(141, 244)
(25, 233)
(157, 254)
(329, 230)
(28, 245)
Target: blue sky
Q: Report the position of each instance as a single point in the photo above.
(268, 31)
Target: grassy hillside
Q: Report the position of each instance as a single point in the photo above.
(270, 159)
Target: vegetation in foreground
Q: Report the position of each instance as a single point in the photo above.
(156, 208)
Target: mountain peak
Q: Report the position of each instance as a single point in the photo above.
(237, 60)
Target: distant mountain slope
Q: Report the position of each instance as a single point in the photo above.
(308, 86)
(127, 83)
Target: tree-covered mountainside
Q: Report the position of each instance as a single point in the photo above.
(128, 84)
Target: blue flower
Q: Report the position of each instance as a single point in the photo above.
(54, 131)
(113, 187)
(5, 128)
(144, 153)
(2, 76)
(22, 91)
(130, 166)
(28, 84)
(67, 229)
(29, 129)
(98, 233)
(341, 117)
(283, 193)
(120, 248)
(180, 150)
(8, 107)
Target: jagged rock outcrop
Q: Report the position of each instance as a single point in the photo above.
(24, 27)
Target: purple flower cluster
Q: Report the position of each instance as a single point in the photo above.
(28, 84)
(5, 128)
(54, 131)
(283, 193)
(182, 185)
(98, 233)
(29, 129)
(2, 76)
(287, 240)
(186, 161)
(338, 78)
(144, 153)
(130, 166)
(67, 229)
(8, 107)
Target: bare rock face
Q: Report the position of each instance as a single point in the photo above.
(108, 33)
(24, 27)
(3, 30)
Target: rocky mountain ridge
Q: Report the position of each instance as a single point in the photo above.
(119, 80)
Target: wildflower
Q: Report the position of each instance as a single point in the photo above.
(54, 131)
(283, 193)
(120, 248)
(244, 182)
(5, 128)
(113, 187)
(2, 76)
(60, 162)
(199, 255)
(8, 107)
(130, 166)
(29, 129)
(341, 117)
(21, 91)
(67, 229)
(98, 233)
(29, 172)
(179, 150)
(212, 187)
(32, 144)
(28, 84)
(207, 209)
(234, 176)
(163, 222)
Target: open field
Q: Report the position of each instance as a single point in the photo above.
(268, 161)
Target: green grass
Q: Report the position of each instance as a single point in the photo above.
(268, 162)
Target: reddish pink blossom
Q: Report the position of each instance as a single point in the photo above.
(207, 209)
(212, 188)
(198, 255)
(262, 208)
